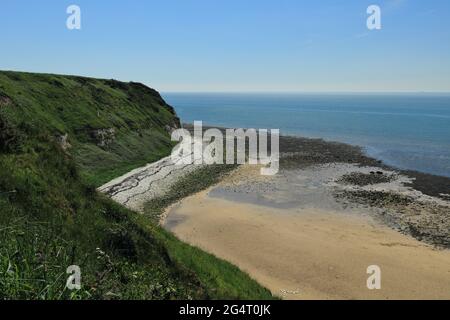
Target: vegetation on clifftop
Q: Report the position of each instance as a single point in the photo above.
(60, 138)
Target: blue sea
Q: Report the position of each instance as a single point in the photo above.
(408, 131)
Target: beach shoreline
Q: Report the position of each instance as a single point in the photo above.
(312, 253)
(329, 197)
(142, 185)
(307, 243)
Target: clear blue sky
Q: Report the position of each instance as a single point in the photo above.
(235, 45)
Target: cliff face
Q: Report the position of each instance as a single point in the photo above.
(60, 136)
(108, 126)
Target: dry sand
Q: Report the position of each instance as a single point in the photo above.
(310, 250)
(293, 235)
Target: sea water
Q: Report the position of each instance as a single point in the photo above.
(408, 131)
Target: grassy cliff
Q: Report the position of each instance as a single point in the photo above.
(60, 138)
(107, 125)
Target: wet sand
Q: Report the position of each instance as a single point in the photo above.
(314, 249)
(311, 231)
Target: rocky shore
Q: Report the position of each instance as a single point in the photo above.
(413, 203)
(311, 231)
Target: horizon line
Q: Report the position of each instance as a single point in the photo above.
(300, 92)
(237, 91)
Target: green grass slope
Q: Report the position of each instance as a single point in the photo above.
(111, 126)
(60, 137)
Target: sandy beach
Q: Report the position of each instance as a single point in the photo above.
(310, 249)
(311, 231)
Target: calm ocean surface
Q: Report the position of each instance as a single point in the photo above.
(409, 131)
